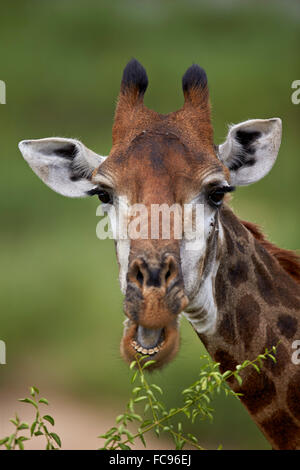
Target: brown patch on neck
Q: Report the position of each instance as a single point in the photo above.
(289, 260)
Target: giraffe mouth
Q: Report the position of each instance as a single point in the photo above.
(159, 344)
(148, 341)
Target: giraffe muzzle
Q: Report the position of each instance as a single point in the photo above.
(154, 299)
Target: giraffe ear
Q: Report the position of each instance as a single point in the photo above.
(250, 149)
(65, 165)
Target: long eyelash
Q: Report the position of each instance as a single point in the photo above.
(93, 192)
(226, 189)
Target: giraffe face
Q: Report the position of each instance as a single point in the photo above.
(160, 268)
(161, 161)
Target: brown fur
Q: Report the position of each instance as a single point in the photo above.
(288, 259)
(158, 159)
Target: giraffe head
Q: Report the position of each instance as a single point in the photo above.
(161, 161)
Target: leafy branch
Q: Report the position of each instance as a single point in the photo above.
(155, 416)
(37, 428)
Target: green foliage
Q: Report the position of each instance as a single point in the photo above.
(153, 414)
(36, 428)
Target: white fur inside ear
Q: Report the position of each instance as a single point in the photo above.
(65, 165)
(251, 149)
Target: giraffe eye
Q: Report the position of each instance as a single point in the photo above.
(104, 196)
(216, 197)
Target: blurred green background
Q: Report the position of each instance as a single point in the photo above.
(62, 61)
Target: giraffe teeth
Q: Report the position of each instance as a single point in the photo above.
(142, 350)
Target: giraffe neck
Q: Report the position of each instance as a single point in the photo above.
(258, 305)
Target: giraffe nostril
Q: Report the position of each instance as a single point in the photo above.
(172, 270)
(147, 274)
(140, 277)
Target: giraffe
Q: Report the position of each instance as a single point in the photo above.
(240, 292)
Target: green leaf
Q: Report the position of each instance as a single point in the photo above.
(130, 405)
(134, 376)
(142, 439)
(181, 443)
(49, 419)
(109, 433)
(38, 433)
(157, 388)
(34, 391)
(10, 439)
(147, 364)
(119, 418)
(20, 444)
(3, 441)
(206, 398)
(45, 428)
(136, 400)
(33, 426)
(44, 400)
(272, 357)
(150, 393)
(147, 407)
(227, 374)
(193, 438)
(255, 366)
(121, 429)
(13, 421)
(124, 446)
(56, 438)
(109, 440)
(23, 426)
(238, 378)
(204, 384)
(187, 413)
(146, 423)
(136, 417)
(129, 436)
(132, 365)
(28, 400)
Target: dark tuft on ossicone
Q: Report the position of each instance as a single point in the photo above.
(135, 75)
(194, 77)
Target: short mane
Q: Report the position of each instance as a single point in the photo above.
(289, 260)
